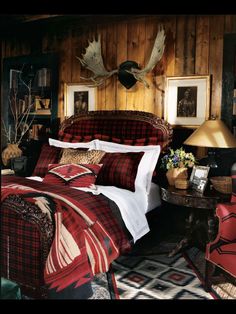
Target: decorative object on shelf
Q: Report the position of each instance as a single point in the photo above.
(11, 151)
(128, 72)
(212, 134)
(222, 184)
(177, 163)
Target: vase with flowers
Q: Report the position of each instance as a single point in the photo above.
(177, 162)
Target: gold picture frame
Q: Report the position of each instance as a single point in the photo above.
(187, 100)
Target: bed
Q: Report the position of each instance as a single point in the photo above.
(101, 217)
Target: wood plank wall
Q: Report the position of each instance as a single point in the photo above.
(194, 45)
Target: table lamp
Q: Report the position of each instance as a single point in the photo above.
(212, 134)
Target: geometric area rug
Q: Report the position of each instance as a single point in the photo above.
(157, 277)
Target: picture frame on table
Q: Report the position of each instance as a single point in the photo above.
(78, 98)
(198, 179)
(187, 100)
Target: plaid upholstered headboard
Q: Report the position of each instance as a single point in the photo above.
(123, 126)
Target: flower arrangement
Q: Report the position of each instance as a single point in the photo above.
(178, 159)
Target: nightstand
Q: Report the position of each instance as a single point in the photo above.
(202, 207)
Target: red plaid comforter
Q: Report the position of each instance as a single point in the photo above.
(84, 244)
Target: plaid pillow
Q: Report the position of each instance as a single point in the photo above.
(73, 175)
(49, 155)
(119, 169)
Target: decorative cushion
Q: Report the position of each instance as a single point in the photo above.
(146, 166)
(70, 155)
(49, 154)
(73, 175)
(120, 170)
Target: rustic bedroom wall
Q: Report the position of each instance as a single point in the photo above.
(194, 45)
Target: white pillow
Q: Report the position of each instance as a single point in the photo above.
(89, 145)
(146, 166)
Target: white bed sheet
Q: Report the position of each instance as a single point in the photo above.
(132, 206)
(154, 197)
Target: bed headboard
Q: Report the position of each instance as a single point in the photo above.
(122, 124)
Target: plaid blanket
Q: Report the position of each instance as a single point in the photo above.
(82, 244)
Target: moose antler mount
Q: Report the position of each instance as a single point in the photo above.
(128, 72)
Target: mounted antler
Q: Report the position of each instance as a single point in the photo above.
(156, 55)
(92, 60)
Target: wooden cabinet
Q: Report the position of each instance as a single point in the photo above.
(31, 80)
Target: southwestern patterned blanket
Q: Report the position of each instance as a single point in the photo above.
(88, 234)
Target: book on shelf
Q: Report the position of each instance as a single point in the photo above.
(39, 131)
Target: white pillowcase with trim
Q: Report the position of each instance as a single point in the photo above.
(89, 145)
(146, 166)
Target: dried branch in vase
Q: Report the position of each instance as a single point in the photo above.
(20, 114)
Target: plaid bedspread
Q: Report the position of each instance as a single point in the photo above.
(88, 236)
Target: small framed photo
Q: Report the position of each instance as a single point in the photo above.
(198, 179)
(78, 99)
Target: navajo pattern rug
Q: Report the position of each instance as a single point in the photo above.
(157, 277)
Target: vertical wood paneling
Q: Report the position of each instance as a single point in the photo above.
(228, 24)
(179, 46)
(76, 50)
(149, 101)
(169, 54)
(202, 45)
(141, 56)
(190, 45)
(121, 95)
(194, 45)
(111, 52)
(135, 52)
(216, 62)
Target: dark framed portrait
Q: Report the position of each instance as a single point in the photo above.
(186, 101)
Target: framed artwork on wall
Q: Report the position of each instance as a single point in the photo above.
(187, 100)
(78, 99)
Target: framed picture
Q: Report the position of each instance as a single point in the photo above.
(187, 100)
(198, 179)
(78, 99)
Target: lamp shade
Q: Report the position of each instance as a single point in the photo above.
(212, 133)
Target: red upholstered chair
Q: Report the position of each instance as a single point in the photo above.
(222, 251)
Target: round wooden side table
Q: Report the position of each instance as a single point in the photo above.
(194, 200)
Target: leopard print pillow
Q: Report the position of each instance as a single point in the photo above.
(70, 155)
